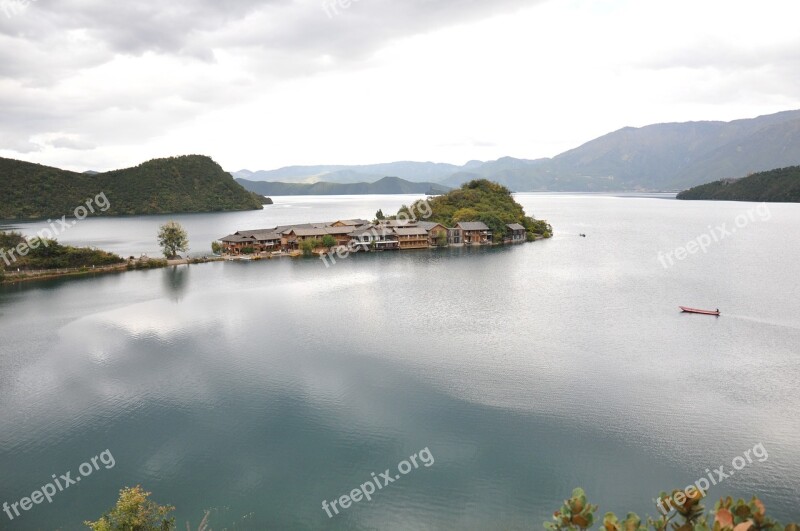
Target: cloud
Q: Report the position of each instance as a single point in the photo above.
(70, 142)
(111, 72)
(424, 79)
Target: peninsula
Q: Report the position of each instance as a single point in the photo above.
(774, 186)
(187, 184)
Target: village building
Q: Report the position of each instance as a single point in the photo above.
(475, 233)
(362, 235)
(516, 232)
(379, 238)
(435, 232)
(350, 223)
(412, 238)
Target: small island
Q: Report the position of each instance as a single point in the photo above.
(479, 213)
(774, 186)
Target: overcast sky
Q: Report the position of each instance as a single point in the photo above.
(258, 84)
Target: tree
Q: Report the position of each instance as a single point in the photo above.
(308, 246)
(172, 238)
(379, 215)
(216, 247)
(441, 239)
(328, 241)
(135, 511)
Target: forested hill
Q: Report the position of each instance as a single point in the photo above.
(481, 200)
(775, 186)
(192, 183)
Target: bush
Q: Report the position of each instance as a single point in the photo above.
(49, 254)
(135, 511)
(577, 514)
(308, 246)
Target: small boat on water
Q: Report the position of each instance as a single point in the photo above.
(703, 312)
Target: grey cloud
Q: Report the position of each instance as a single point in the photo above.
(196, 28)
(71, 143)
(52, 42)
(723, 56)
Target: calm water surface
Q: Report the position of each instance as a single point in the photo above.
(256, 390)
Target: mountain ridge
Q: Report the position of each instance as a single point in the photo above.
(667, 156)
(386, 185)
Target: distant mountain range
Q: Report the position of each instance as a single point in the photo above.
(776, 186)
(661, 157)
(386, 185)
(192, 183)
(410, 171)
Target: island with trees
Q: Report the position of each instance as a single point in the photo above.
(479, 213)
(775, 186)
(484, 201)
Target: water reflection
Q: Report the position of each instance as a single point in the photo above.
(176, 280)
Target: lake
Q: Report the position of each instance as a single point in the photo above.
(256, 390)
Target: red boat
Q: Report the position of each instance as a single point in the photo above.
(695, 310)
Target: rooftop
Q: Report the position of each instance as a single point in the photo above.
(472, 225)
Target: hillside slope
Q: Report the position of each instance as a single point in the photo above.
(192, 183)
(667, 156)
(776, 186)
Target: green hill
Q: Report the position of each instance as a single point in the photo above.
(485, 201)
(775, 186)
(191, 183)
(387, 185)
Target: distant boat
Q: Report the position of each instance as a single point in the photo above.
(704, 312)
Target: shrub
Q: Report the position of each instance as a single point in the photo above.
(135, 511)
(577, 514)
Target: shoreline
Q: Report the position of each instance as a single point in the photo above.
(130, 265)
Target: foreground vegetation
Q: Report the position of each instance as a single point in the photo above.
(775, 186)
(683, 512)
(42, 254)
(485, 201)
(135, 511)
(185, 184)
